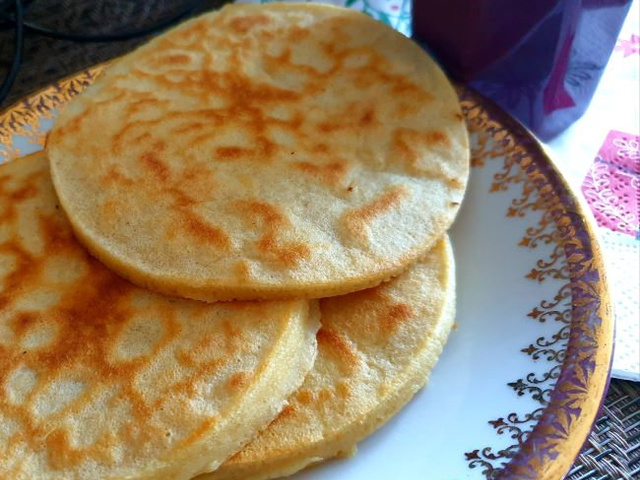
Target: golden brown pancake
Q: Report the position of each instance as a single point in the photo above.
(376, 348)
(274, 151)
(101, 379)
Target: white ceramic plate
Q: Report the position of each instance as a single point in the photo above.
(522, 377)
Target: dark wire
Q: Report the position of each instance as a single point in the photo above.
(20, 25)
(18, 40)
(118, 36)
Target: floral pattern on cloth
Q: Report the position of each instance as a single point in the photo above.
(612, 185)
(630, 46)
(395, 13)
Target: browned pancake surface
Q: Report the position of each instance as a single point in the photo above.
(264, 152)
(101, 379)
(376, 348)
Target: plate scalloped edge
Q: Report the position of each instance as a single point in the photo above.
(570, 391)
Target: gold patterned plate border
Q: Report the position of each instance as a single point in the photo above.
(547, 440)
(579, 353)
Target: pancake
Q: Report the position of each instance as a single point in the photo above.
(264, 151)
(376, 348)
(101, 379)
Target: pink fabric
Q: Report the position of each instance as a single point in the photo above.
(612, 185)
(629, 47)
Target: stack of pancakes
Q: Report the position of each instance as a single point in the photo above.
(161, 262)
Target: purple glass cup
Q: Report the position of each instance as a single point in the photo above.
(539, 60)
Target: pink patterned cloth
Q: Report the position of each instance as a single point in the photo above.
(612, 185)
(628, 47)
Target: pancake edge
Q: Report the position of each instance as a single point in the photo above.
(343, 445)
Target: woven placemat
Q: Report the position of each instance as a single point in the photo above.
(612, 451)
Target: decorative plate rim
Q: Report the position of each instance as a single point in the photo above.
(562, 420)
(564, 425)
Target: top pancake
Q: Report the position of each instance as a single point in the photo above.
(282, 150)
(100, 379)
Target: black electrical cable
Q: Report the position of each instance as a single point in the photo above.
(118, 36)
(7, 19)
(18, 40)
(14, 16)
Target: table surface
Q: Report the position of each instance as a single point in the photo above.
(612, 451)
